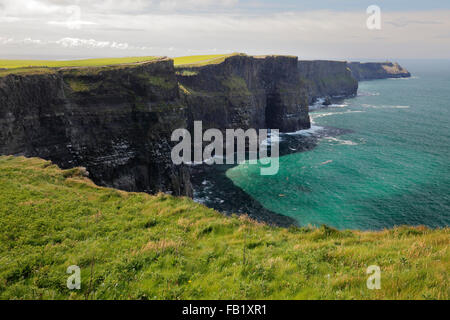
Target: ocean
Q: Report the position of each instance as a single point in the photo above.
(381, 159)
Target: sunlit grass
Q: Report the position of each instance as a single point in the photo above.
(137, 246)
(201, 60)
(12, 64)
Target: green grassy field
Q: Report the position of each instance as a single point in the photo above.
(13, 64)
(187, 60)
(47, 66)
(201, 60)
(137, 246)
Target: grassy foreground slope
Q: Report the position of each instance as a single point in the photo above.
(137, 246)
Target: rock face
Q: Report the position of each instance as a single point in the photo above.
(115, 121)
(374, 70)
(327, 79)
(246, 92)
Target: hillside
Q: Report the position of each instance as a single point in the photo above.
(137, 246)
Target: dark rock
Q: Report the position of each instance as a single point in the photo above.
(323, 78)
(375, 70)
(327, 101)
(246, 92)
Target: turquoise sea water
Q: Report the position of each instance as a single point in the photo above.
(393, 169)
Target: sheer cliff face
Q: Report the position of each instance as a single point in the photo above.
(327, 79)
(374, 70)
(246, 92)
(117, 121)
(114, 121)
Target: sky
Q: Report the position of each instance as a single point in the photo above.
(310, 29)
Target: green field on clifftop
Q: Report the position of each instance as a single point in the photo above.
(201, 60)
(12, 64)
(137, 246)
(49, 66)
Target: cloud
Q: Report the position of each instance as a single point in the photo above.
(71, 24)
(406, 23)
(173, 5)
(68, 43)
(90, 43)
(177, 27)
(37, 8)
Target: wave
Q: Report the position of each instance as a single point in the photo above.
(384, 106)
(307, 132)
(319, 105)
(325, 114)
(410, 78)
(367, 94)
(341, 141)
(326, 162)
(399, 107)
(273, 138)
(338, 105)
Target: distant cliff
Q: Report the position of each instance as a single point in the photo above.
(374, 70)
(327, 79)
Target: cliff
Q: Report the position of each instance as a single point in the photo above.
(327, 79)
(374, 70)
(246, 92)
(115, 121)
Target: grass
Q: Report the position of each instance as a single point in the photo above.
(201, 60)
(49, 66)
(27, 71)
(78, 85)
(14, 64)
(137, 246)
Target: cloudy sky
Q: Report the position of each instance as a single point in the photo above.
(311, 29)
